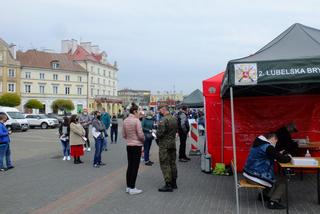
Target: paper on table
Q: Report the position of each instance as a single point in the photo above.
(304, 161)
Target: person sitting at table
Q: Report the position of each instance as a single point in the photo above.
(285, 141)
(259, 169)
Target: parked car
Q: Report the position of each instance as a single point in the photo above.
(41, 120)
(59, 118)
(16, 120)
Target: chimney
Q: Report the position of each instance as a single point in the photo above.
(12, 48)
(68, 45)
(86, 46)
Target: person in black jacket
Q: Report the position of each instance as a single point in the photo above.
(259, 168)
(285, 141)
(183, 130)
(64, 135)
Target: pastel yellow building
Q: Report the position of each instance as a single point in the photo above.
(9, 69)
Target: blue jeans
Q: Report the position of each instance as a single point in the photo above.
(146, 148)
(5, 152)
(65, 147)
(104, 146)
(98, 150)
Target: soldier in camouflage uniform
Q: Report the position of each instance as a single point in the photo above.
(166, 136)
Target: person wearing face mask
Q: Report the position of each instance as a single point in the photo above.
(98, 130)
(259, 169)
(133, 136)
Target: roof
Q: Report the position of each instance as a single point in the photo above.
(297, 42)
(41, 59)
(81, 54)
(289, 64)
(193, 100)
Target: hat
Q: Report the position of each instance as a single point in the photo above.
(149, 114)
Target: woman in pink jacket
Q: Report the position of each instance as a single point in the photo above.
(134, 137)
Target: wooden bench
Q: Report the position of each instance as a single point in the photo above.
(243, 183)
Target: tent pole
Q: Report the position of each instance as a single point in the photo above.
(222, 132)
(234, 151)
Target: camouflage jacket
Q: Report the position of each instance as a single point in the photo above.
(166, 132)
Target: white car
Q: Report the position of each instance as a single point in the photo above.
(41, 120)
(16, 120)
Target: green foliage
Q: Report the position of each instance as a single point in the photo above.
(10, 99)
(34, 103)
(63, 105)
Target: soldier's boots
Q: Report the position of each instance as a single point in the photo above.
(166, 188)
(174, 184)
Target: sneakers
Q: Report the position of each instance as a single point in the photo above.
(64, 158)
(101, 164)
(134, 191)
(68, 158)
(96, 166)
(2, 169)
(10, 167)
(149, 163)
(127, 189)
(84, 149)
(275, 205)
(89, 149)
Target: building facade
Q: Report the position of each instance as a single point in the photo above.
(140, 97)
(49, 76)
(170, 99)
(102, 76)
(9, 69)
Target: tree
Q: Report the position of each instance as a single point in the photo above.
(10, 99)
(33, 103)
(62, 105)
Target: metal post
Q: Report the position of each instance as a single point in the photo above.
(234, 151)
(222, 132)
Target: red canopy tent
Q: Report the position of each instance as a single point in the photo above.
(254, 116)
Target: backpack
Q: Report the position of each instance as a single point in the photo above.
(179, 122)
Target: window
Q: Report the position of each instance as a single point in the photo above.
(104, 73)
(28, 75)
(109, 93)
(113, 83)
(91, 92)
(11, 87)
(67, 78)
(67, 90)
(109, 83)
(55, 89)
(99, 71)
(79, 78)
(91, 80)
(104, 92)
(42, 76)
(55, 65)
(109, 74)
(27, 88)
(55, 76)
(41, 89)
(11, 72)
(98, 80)
(91, 68)
(98, 91)
(79, 90)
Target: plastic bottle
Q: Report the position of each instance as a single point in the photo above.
(307, 153)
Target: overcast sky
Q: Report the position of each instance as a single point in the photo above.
(160, 45)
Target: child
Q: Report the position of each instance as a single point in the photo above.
(4, 143)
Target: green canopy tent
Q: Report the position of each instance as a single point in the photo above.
(193, 100)
(288, 65)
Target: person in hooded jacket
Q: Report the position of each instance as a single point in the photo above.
(147, 127)
(259, 169)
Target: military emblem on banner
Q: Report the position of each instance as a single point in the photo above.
(245, 74)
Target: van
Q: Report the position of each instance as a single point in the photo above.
(16, 120)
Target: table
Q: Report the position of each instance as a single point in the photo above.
(312, 145)
(285, 166)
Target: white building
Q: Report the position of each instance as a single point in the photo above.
(102, 76)
(49, 76)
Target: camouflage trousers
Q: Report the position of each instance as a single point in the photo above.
(168, 165)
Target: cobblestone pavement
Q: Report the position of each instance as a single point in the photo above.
(43, 183)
